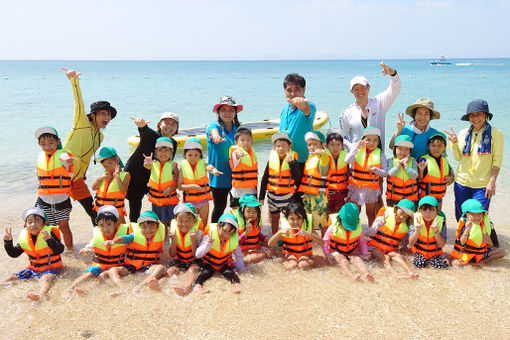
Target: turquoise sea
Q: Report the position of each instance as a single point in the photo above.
(37, 93)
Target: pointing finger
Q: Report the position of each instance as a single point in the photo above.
(64, 69)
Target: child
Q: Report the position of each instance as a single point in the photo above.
(145, 244)
(251, 239)
(390, 227)
(163, 180)
(297, 234)
(54, 171)
(368, 166)
(344, 237)
(193, 180)
(435, 172)
(243, 163)
(111, 187)
(427, 236)
(473, 242)
(281, 177)
(42, 244)
(314, 183)
(402, 173)
(108, 227)
(222, 242)
(337, 187)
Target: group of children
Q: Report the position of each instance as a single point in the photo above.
(320, 204)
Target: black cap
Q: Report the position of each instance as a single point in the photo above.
(103, 105)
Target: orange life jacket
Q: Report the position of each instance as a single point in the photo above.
(339, 173)
(143, 252)
(40, 254)
(296, 245)
(184, 250)
(108, 257)
(388, 237)
(251, 240)
(161, 178)
(426, 244)
(220, 255)
(434, 183)
(360, 176)
(245, 174)
(53, 176)
(313, 182)
(109, 193)
(342, 240)
(474, 247)
(401, 185)
(197, 175)
(280, 179)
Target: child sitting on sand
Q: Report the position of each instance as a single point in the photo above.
(111, 186)
(42, 244)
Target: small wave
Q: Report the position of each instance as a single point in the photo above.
(463, 64)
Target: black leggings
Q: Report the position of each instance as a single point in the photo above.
(135, 193)
(207, 271)
(87, 204)
(220, 196)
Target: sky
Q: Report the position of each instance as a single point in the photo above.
(253, 30)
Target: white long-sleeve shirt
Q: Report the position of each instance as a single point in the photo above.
(350, 119)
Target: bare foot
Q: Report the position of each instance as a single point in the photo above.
(115, 294)
(80, 291)
(369, 277)
(237, 289)
(355, 277)
(201, 289)
(34, 296)
(67, 295)
(154, 284)
(414, 275)
(182, 291)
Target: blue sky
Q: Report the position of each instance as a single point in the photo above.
(247, 30)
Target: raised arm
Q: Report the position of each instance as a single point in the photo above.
(387, 97)
(80, 116)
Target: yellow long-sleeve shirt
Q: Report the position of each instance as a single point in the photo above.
(474, 171)
(82, 141)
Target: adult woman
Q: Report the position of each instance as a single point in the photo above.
(419, 129)
(479, 151)
(168, 125)
(220, 137)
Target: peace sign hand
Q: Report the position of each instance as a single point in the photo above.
(400, 122)
(422, 165)
(452, 137)
(46, 236)
(140, 122)
(148, 159)
(71, 73)
(8, 234)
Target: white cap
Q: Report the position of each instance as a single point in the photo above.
(108, 209)
(170, 115)
(359, 80)
(371, 131)
(34, 211)
(45, 129)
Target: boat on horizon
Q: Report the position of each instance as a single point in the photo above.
(441, 61)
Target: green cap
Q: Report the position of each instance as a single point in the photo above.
(148, 216)
(193, 143)
(430, 200)
(108, 152)
(315, 135)
(407, 205)
(249, 200)
(349, 215)
(473, 206)
(185, 208)
(229, 218)
(164, 142)
(440, 134)
(404, 140)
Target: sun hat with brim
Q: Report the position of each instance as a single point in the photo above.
(477, 105)
(430, 200)
(229, 218)
(359, 80)
(371, 131)
(148, 216)
(227, 100)
(193, 143)
(249, 200)
(164, 142)
(333, 131)
(103, 105)
(47, 130)
(440, 134)
(405, 141)
(317, 135)
(349, 215)
(169, 115)
(407, 206)
(185, 208)
(108, 209)
(108, 152)
(281, 135)
(34, 211)
(426, 103)
(473, 206)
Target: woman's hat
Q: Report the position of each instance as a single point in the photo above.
(349, 215)
(108, 152)
(473, 206)
(169, 115)
(477, 105)
(407, 206)
(185, 208)
(103, 105)
(229, 218)
(315, 135)
(371, 130)
(164, 142)
(426, 103)
(193, 143)
(249, 200)
(405, 141)
(34, 211)
(430, 200)
(227, 100)
(281, 135)
(150, 216)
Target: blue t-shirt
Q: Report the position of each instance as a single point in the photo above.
(297, 125)
(217, 155)
(420, 141)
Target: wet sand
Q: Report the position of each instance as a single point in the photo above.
(321, 303)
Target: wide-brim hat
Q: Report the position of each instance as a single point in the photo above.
(34, 211)
(164, 142)
(426, 103)
(150, 216)
(477, 105)
(407, 206)
(227, 100)
(229, 218)
(349, 215)
(473, 206)
(193, 143)
(404, 140)
(430, 200)
(107, 152)
(103, 105)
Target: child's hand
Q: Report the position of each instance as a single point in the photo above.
(168, 191)
(422, 164)
(109, 243)
(400, 122)
(452, 137)
(468, 225)
(193, 237)
(148, 159)
(210, 240)
(404, 162)
(8, 234)
(434, 226)
(289, 157)
(237, 154)
(85, 250)
(106, 177)
(45, 235)
(173, 237)
(195, 187)
(417, 226)
(70, 73)
(317, 152)
(297, 101)
(140, 122)
(373, 169)
(361, 144)
(386, 70)
(304, 233)
(117, 171)
(486, 238)
(366, 257)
